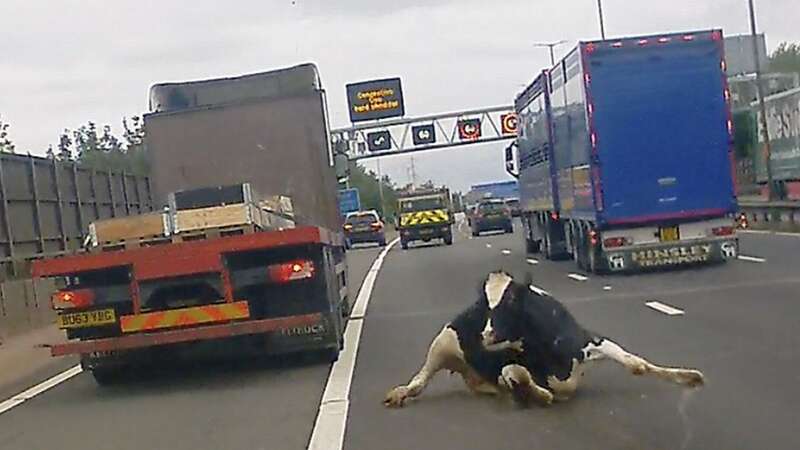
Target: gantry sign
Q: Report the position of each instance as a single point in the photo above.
(408, 135)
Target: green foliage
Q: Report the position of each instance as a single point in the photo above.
(367, 184)
(6, 145)
(100, 149)
(745, 137)
(786, 58)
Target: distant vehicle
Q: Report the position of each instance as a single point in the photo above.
(498, 189)
(491, 215)
(625, 154)
(364, 227)
(513, 205)
(425, 214)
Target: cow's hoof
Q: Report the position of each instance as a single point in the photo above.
(639, 369)
(396, 398)
(544, 396)
(691, 378)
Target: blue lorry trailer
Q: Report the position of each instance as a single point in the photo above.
(625, 154)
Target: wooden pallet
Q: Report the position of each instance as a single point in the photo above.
(147, 241)
(213, 233)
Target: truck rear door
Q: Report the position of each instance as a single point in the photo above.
(661, 127)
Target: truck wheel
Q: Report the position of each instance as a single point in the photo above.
(475, 233)
(533, 246)
(404, 244)
(382, 242)
(107, 376)
(448, 239)
(510, 229)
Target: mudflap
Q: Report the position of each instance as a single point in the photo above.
(671, 255)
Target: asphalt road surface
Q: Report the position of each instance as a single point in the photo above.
(738, 326)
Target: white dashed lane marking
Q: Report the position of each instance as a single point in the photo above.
(506, 252)
(754, 259)
(488, 245)
(538, 290)
(606, 288)
(578, 277)
(532, 261)
(666, 309)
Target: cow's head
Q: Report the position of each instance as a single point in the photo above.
(500, 291)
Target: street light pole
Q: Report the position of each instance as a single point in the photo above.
(551, 46)
(761, 105)
(602, 21)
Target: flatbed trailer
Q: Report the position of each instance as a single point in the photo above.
(265, 292)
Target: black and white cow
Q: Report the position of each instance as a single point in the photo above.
(518, 339)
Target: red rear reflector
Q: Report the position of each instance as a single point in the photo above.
(723, 231)
(587, 78)
(554, 215)
(291, 271)
(730, 126)
(590, 107)
(594, 140)
(716, 36)
(664, 40)
(688, 37)
(642, 42)
(723, 65)
(590, 48)
(593, 237)
(376, 225)
(617, 44)
(615, 242)
(79, 298)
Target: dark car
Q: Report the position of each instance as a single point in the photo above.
(492, 215)
(364, 227)
(513, 205)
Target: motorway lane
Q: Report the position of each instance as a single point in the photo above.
(240, 405)
(738, 328)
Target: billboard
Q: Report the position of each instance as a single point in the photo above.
(783, 123)
(376, 99)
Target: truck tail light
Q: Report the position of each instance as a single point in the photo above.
(593, 238)
(376, 225)
(79, 298)
(300, 269)
(347, 227)
(616, 242)
(742, 222)
(723, 231)
(554, 215)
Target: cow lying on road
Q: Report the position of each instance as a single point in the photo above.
(518, 339)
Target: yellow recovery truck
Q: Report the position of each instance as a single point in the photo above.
(425, 215)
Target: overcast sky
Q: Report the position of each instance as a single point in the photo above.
(65, 62)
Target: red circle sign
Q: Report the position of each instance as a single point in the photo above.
(508, 123)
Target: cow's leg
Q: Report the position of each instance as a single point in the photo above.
(640, 366)
(563, 390)
(522, 386)
(477, 384)
(444, 353)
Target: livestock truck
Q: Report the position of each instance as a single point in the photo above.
(266, 288)
(625, 154)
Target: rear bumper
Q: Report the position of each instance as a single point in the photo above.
(675, 254)
(491, 224)
(433, 231)
(368, 236)
(194, 334)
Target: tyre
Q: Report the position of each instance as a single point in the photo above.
(107, 376)
(347, 245)
(448, 240)
(532, 246)
(510, 228)
(404, 244)
(382, 242)
(475, 233)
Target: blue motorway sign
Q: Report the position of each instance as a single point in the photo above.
(349, 201)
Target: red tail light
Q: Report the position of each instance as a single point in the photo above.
(616, 242)
(347, 227)
(554, 215)
(291, 271)
(723, 231)
(593, 237)
(688, 37)
(79, 298)
(376, 225)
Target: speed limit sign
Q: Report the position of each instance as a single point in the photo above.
(508, 123)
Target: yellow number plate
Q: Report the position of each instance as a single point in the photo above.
(669, 234)
(87, 319)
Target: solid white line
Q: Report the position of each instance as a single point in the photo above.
(751, 259)
(506, 252)
(532, 261)
(666, 309)
(577, 277)
(783, 233)
(331, 422)
(28, 394)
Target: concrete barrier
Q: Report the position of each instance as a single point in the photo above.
(25, 306)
